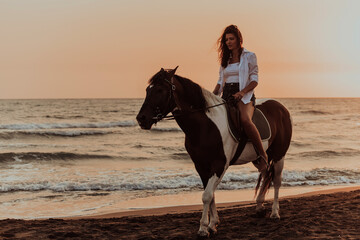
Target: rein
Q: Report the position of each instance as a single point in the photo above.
(161, 116)
(172, 116)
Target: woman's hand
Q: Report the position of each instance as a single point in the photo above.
(216, 90)
(239, 95)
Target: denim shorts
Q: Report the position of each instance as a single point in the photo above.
(232, 88)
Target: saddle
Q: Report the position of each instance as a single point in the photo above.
(238, 132)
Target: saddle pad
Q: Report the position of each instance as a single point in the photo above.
(258, 119)
(261, 124)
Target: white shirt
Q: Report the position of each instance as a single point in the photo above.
(231, 73)
(248, 71)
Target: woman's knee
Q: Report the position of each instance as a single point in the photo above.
(245, 120)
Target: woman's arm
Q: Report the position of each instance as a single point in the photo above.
(253, 75)
(216, 89)
(247, 89)
(253, 68)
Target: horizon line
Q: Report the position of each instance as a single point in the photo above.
(110, 98)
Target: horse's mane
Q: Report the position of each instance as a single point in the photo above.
(211, 98)
(194, 94)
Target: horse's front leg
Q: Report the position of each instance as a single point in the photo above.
(214, 217)
(207, 198)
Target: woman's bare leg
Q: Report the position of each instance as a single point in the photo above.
(246, 113)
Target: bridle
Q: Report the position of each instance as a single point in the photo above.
(160, 116)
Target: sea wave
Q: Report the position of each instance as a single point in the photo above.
(321, 176)
(15, 156)
(58, 133)
(180, 156)
(111, 111)
(344, 152)
(314, 112)
(173, 129)
(30, 126)
(296, 143)
(174, 182)
(64, 116)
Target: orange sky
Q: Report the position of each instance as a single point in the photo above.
(109, 49)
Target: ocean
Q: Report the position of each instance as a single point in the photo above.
(76, 157)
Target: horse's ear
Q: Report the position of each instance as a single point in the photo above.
(162, 70)
(172, 72)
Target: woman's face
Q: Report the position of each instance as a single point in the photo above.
(231, 41)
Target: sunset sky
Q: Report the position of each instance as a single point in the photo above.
(110, 48)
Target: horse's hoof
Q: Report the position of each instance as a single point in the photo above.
(212, 230)
(275, 216)
(203, 234)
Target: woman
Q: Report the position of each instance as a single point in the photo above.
(238, 76)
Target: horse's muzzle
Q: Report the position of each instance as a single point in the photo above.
(143, 122)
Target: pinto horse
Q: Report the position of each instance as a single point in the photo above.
(203, 118)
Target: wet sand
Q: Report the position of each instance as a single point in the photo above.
(330, 214)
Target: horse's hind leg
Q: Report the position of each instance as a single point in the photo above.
(260, 209)
(278, 167)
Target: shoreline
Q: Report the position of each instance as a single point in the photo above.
(114, 206)
(221, 205)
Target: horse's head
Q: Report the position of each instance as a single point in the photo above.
(159, 99)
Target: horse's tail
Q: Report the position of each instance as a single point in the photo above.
(267, 179)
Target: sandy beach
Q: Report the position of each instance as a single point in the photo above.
(328, 214)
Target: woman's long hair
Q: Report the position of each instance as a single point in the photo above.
(223, 50)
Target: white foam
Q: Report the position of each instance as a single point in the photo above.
(170, 129)
(72, 133)
(28, 126)
(152, 179)
(17, 159)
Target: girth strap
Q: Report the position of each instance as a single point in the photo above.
(242, 143)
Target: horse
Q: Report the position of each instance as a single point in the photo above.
(202, 116)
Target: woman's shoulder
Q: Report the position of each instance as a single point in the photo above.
(250, 56)
(248, 52)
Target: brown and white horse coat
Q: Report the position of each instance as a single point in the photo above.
(208, 140)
